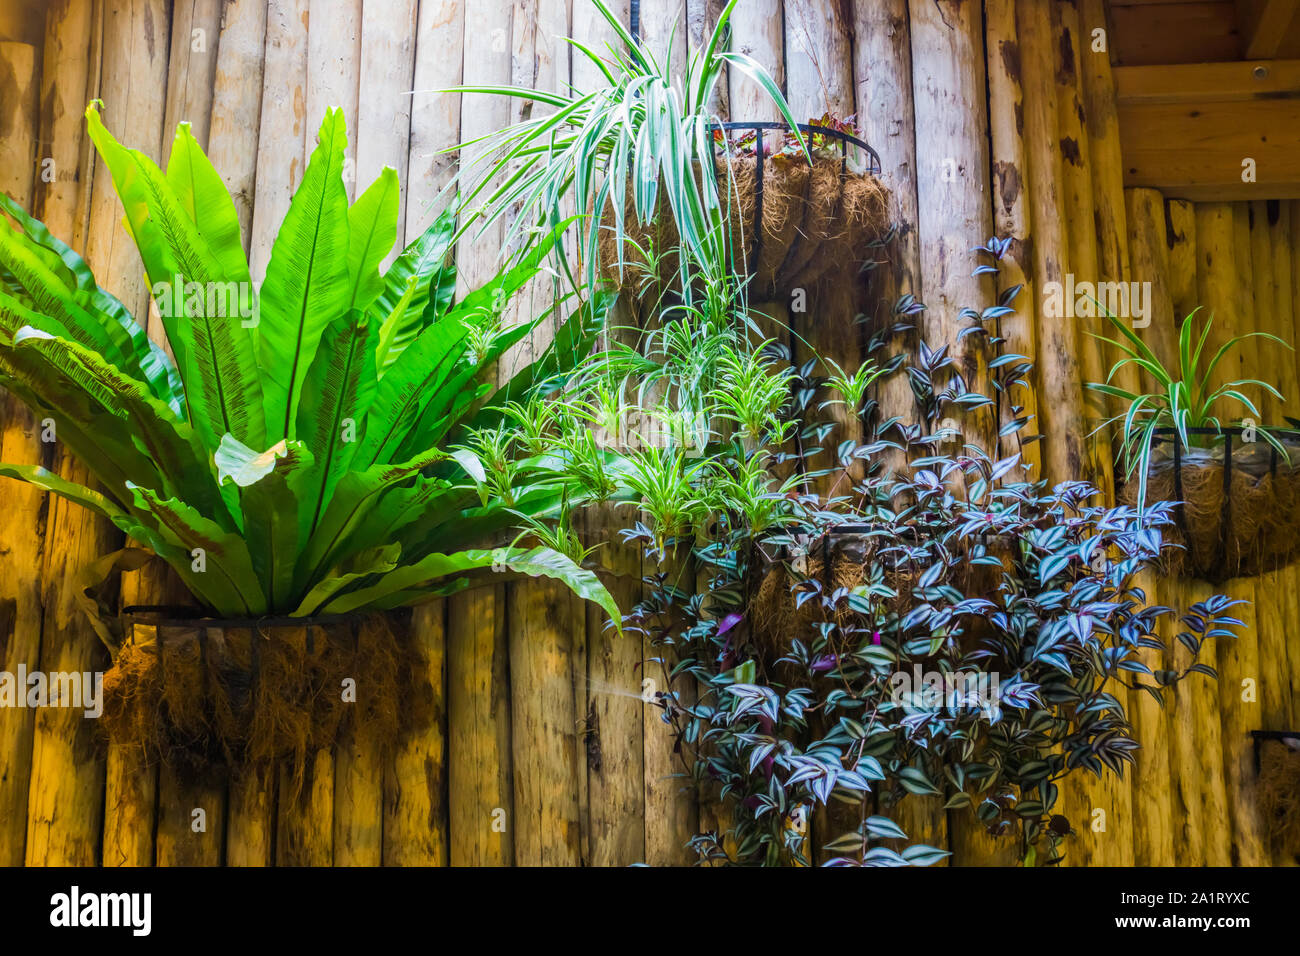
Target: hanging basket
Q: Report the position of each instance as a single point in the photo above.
(1277, 758)
(205, 695)
(795, 224)
(1238, 503)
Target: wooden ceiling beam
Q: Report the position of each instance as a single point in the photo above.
(1187, 130)
(1268, 28)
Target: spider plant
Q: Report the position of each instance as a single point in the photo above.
(323, 453)
(644, 129)
(1185, 398)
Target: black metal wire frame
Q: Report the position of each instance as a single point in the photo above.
(1228, 433)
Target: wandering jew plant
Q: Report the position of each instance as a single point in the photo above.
(312, 448)
(834, 635)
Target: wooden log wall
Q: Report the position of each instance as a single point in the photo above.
(994, 117)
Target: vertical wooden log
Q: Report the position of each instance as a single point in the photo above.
(359, 776)
(20, 82)
(544, 722)
(883, 73)
(1059, 376)
(1011, 215)
(757, 32)
(237, 104)
(1077, 190)
(250, 811)
(615, 770)
(1280, 232)
(1153, 830)
(483, 823)
(701, 18)
(952, 185)
(1243, 362)
(304, 831)
(435, 117)
(1216, 274)
(1107, 169)
(671, 815)
(191, 816)
(23, 531)
(383, 123)
(65, 810)
(818, 59)
(1265, 358)
(285, 126)
(1149, 262)
(131, 801)
(955, 215)
(334, 72)
(478, 729)
(1180, 216)
(192, 69)
(415, 794)
(1240, 686)
(1114, 844)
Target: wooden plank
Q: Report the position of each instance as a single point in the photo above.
(23, 531)
(237, 104)
(285, 126)
(415, 789)
(1205, 82)
(1196, 150)
(478, 729)
(1174, 33)
(334, 73)
(383, 123)
(1267, 26)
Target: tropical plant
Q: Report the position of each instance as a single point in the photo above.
(645, 130)
(1185, 398)
(329, 444)
(844, 636)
